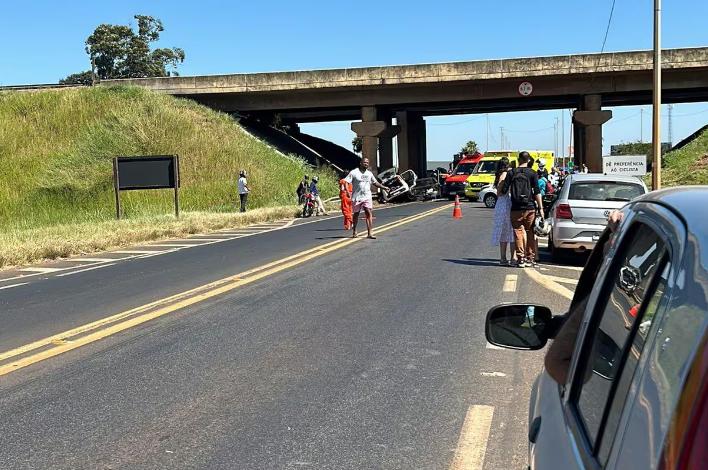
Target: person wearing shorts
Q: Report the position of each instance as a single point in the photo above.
(362, 179)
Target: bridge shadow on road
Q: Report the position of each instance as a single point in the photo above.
(475, 262)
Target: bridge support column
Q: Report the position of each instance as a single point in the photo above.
(373, 131)
(385, 143)
(588, 132)
(412, 153)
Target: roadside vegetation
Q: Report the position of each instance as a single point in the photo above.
(56, 174)
(687, 165)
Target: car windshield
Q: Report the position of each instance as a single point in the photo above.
(605, 191)
(464, 169)
(490, 166)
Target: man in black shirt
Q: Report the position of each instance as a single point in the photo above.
(522, 184)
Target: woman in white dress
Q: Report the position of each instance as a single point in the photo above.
(502, 232)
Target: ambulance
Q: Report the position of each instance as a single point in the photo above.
(484, 171)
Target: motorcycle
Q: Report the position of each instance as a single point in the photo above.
(310, 205)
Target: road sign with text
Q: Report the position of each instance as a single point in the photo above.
(626, 165)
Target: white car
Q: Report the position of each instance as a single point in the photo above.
(579, 214)
(488, 195)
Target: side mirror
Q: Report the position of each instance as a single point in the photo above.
(519, 326)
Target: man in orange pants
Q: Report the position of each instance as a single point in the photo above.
(345, 194)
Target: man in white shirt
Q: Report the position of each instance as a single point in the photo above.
(243, 189)
(362, 179)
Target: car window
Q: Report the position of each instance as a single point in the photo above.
(486, 167)
(604, 191)
(653, 305)
(624, 304)
(464, 169)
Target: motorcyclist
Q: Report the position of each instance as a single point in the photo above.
(319, 206)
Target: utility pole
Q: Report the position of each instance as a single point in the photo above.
(563, 136)
(487, 147)
(671, 125)
(656, 107)
(501, 138)
(641, 125)
(555, 137)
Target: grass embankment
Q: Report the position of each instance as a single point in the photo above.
(687, 165)
(56, 191)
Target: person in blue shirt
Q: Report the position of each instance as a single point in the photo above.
(316, 195)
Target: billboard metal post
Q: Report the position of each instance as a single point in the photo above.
(176, 157)
(116, 186)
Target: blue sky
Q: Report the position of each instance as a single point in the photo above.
(42, 41)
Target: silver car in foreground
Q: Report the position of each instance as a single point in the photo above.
(584, 202)
(631, 358)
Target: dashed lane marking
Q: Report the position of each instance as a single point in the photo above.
(549, 284)
(510, 283)
(493, 374)
(472, 445)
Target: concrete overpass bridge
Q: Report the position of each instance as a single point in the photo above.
(408, 93)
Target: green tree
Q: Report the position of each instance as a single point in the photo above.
(357, 144)
(81, 78)
(119, 52)
(470, 148)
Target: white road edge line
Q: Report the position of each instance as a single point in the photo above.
(71, 273)
(472, 445)
(14, 285)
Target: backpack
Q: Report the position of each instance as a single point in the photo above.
(519, 186)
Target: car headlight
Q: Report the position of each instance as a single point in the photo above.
(465, 184)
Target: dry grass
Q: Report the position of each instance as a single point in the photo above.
(31, 245)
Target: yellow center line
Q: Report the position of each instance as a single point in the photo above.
(549, 284)
(138, 315)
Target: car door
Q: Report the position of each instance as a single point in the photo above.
(634, 290)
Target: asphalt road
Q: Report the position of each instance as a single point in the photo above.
(369, 356)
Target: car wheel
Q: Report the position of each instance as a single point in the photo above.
(490, 200)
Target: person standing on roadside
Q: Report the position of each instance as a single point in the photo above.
(243, 189)
(362, 179)
(503, 232)
(585, 168)
(302, 189)
(345, 195)
(522, 186)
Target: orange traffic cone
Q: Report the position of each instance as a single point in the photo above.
(457, 211)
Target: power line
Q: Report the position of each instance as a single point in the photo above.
(529, 130)
(607, 31)
(456, 123)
